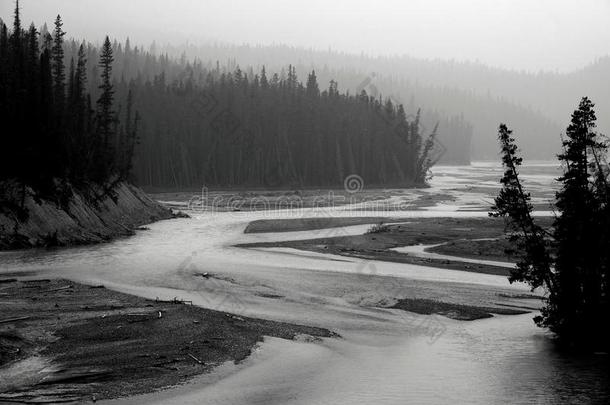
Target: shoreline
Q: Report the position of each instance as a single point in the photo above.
(110, 364)
(414, 231)
(468, 238)
(80, 220)
(66, 341)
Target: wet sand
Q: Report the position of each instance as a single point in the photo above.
(469, 238)
(62, 341)
(478, 238)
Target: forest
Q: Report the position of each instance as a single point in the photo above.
(86, 114)
(56, 136)
(221, 125)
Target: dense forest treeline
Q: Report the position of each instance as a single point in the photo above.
(227, 128)
(208, 124)
(200, 124)
(55, 135)
(135, 63)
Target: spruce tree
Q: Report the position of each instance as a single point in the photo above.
(71, 74)
(105, 115)
(4, 97)
(263, 80)
(312, 85)
(80, 109)
(16, 35)
(57, 57)
(571, 260)
(577, 229)
(17, 95)
(514, 203)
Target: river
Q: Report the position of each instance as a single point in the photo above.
(384, 356)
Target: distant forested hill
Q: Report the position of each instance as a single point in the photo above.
(538, 105)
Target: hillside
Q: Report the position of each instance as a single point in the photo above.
(81, 220)
(536, 104)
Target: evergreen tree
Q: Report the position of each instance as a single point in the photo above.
(16, 26)
(263, 79)
(57, 138)
(71, 74)
(515, 203)
(79, 102)
(312, 85)
(57, 56)
(105, 115)
(578, 230)
(4, 97)
(571, 260)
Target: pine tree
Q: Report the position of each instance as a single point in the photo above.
(263, 80)
(4, 97)
(577, 229)
(16, 95)
(313, 90)
(57, 57)
(80, 110)
(130, 138)
(16, 57)
(71, 74)
(514, 202)
(33, 102)
(3, 46)
(80, 74)
(17, 25)
(105, 115)
(571, 261)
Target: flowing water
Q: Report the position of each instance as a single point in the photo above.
(421, 251)
(384, 356)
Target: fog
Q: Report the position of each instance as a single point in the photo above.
(514, 34)
(388, 202)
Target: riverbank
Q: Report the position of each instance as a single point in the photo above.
(476, 245)
(80, 220)
(62, 341)
(471, 238)
(365, 200)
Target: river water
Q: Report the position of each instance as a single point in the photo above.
(384, 356)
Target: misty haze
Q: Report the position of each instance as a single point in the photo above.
(346, 202)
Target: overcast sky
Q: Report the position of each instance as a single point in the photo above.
(519, 34)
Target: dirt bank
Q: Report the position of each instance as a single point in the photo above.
(82, 220)
(62, 341)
